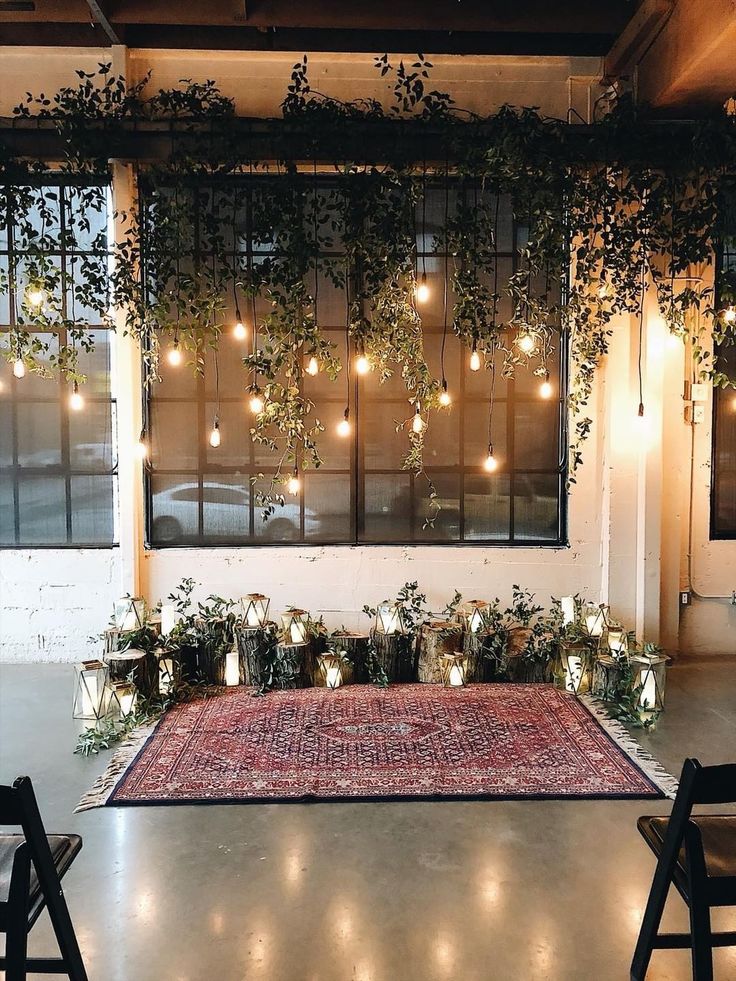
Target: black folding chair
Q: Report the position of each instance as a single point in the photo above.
(698, 854)
(31, 867)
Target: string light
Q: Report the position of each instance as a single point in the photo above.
(474, 358)
(174, 356)
(35, 296)
(417, 423)
(215, 434)
(729, 315)
(422, 290)
(362, 364)
(294, 484)
(312, 367)
(76, 402)
(444, 394)
(141, 447)
(239, 330)
(256, 403)
(343, 426)
(525, 342)
(491, 463)
(545, 389)
(19, 368)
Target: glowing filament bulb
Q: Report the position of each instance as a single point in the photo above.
(362, 365)
(545, 389)
(422, 290)
(444, 394)
(256, 404)
(76, 402)
(417, 423)
(239, 331)
(19, 368)
(490, 464)
(312, 366)
(343, 426)
(174, 355)
(215, 434)
(729, 315)
(35, 296)
(294, 484)
(526, 343)
(474, 360)
(141, 448)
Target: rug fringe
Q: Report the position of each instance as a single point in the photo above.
(102, 788)
(623, 738)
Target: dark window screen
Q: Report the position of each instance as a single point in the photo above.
(201, 495)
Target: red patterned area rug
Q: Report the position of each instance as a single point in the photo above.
(361, 743)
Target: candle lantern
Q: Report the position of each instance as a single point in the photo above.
(574, 670)
(169, 618)
(130, 613)
(330, 669)
(594, 619)
(618, 641)
(390, 619)
(473, 615)
(255, 609)
(454, 669)
(295, 626)
(232, 668)
(90, 679)
(123, 698)
(567, 606)
(166, 671)
(650, 671)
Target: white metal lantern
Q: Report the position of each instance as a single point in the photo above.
(594, 619)
(166, 672)
(90, 680)
(130, 613)
(454, 669)
(574, 675)
(329, 666)
(255, 609)
(295, 626)
(650, 674)
(618, 641)
(390, 619)
(474, 614)
(232, 668)
(123, 698)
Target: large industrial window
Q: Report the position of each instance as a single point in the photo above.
(201, 495)
(56, 464)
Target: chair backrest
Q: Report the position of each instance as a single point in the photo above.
(18, 806)
(713, 784)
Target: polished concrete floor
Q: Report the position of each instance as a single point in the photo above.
(359, 892)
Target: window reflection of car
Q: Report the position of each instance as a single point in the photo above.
(226, 515)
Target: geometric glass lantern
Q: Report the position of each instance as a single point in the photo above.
(473, 614)
(166, 671)
(90, 678)
(594, 619)
(454, 669)
(123, 697)
(255, 609)
(617, 640)
(650, 673)
(390, 619)
(130, 613)
(329, 666)
(295, 626)
(575, 669)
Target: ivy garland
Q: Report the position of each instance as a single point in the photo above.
(616, 206)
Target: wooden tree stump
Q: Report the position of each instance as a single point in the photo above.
(211, 663)
(250, 649)
(607, 674)
(395, 654)
(472, 648)
(142, 667)
(294, 665)
(186, 658)
(436, 638)
(356, 647)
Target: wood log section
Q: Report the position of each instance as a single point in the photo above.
(356, 647)
(436, 638)
(475, 661)
(607, 676)
(516, 667)
(211, 663)
(294, 665)
(250, 650)
(140, 666)
(395, 654)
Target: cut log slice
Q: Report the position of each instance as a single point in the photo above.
(136, 665)
(251, 655)
(394, 653)
(356, 647)
(436, 638)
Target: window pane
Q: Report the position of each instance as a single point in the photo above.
(7, 511)
(487, 505)
(446, 521)
(535, 506)
(388, 507)
(42, 505)
(92, 509)
(39, 434)
(226, 511)
(175, 509)
(327, 507)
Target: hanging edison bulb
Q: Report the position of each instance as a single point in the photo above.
(312, 365)
(474, 358)
(174, 356)
(240, 332)
(526, 342)
(444, 394)
(362, 364)
(141, 447)
(491, 463)
(729, 314)
(256, 402)
(343, 426)
(215, 434)
(422, 289)
(417, 423)
(19, 368)
(76, 402)
(294, 484)
(35, 295)
(545, 389)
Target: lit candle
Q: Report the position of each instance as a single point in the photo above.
(169, 618)
(456, 676)
(165, 674)
(232, 668)
(567, 604)
(90, 695)
(388, 616)
(594, 624)
(617, 641)
(476, 621)
(573, 673)
(334, 676)
(298, 632)
(648, 697)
